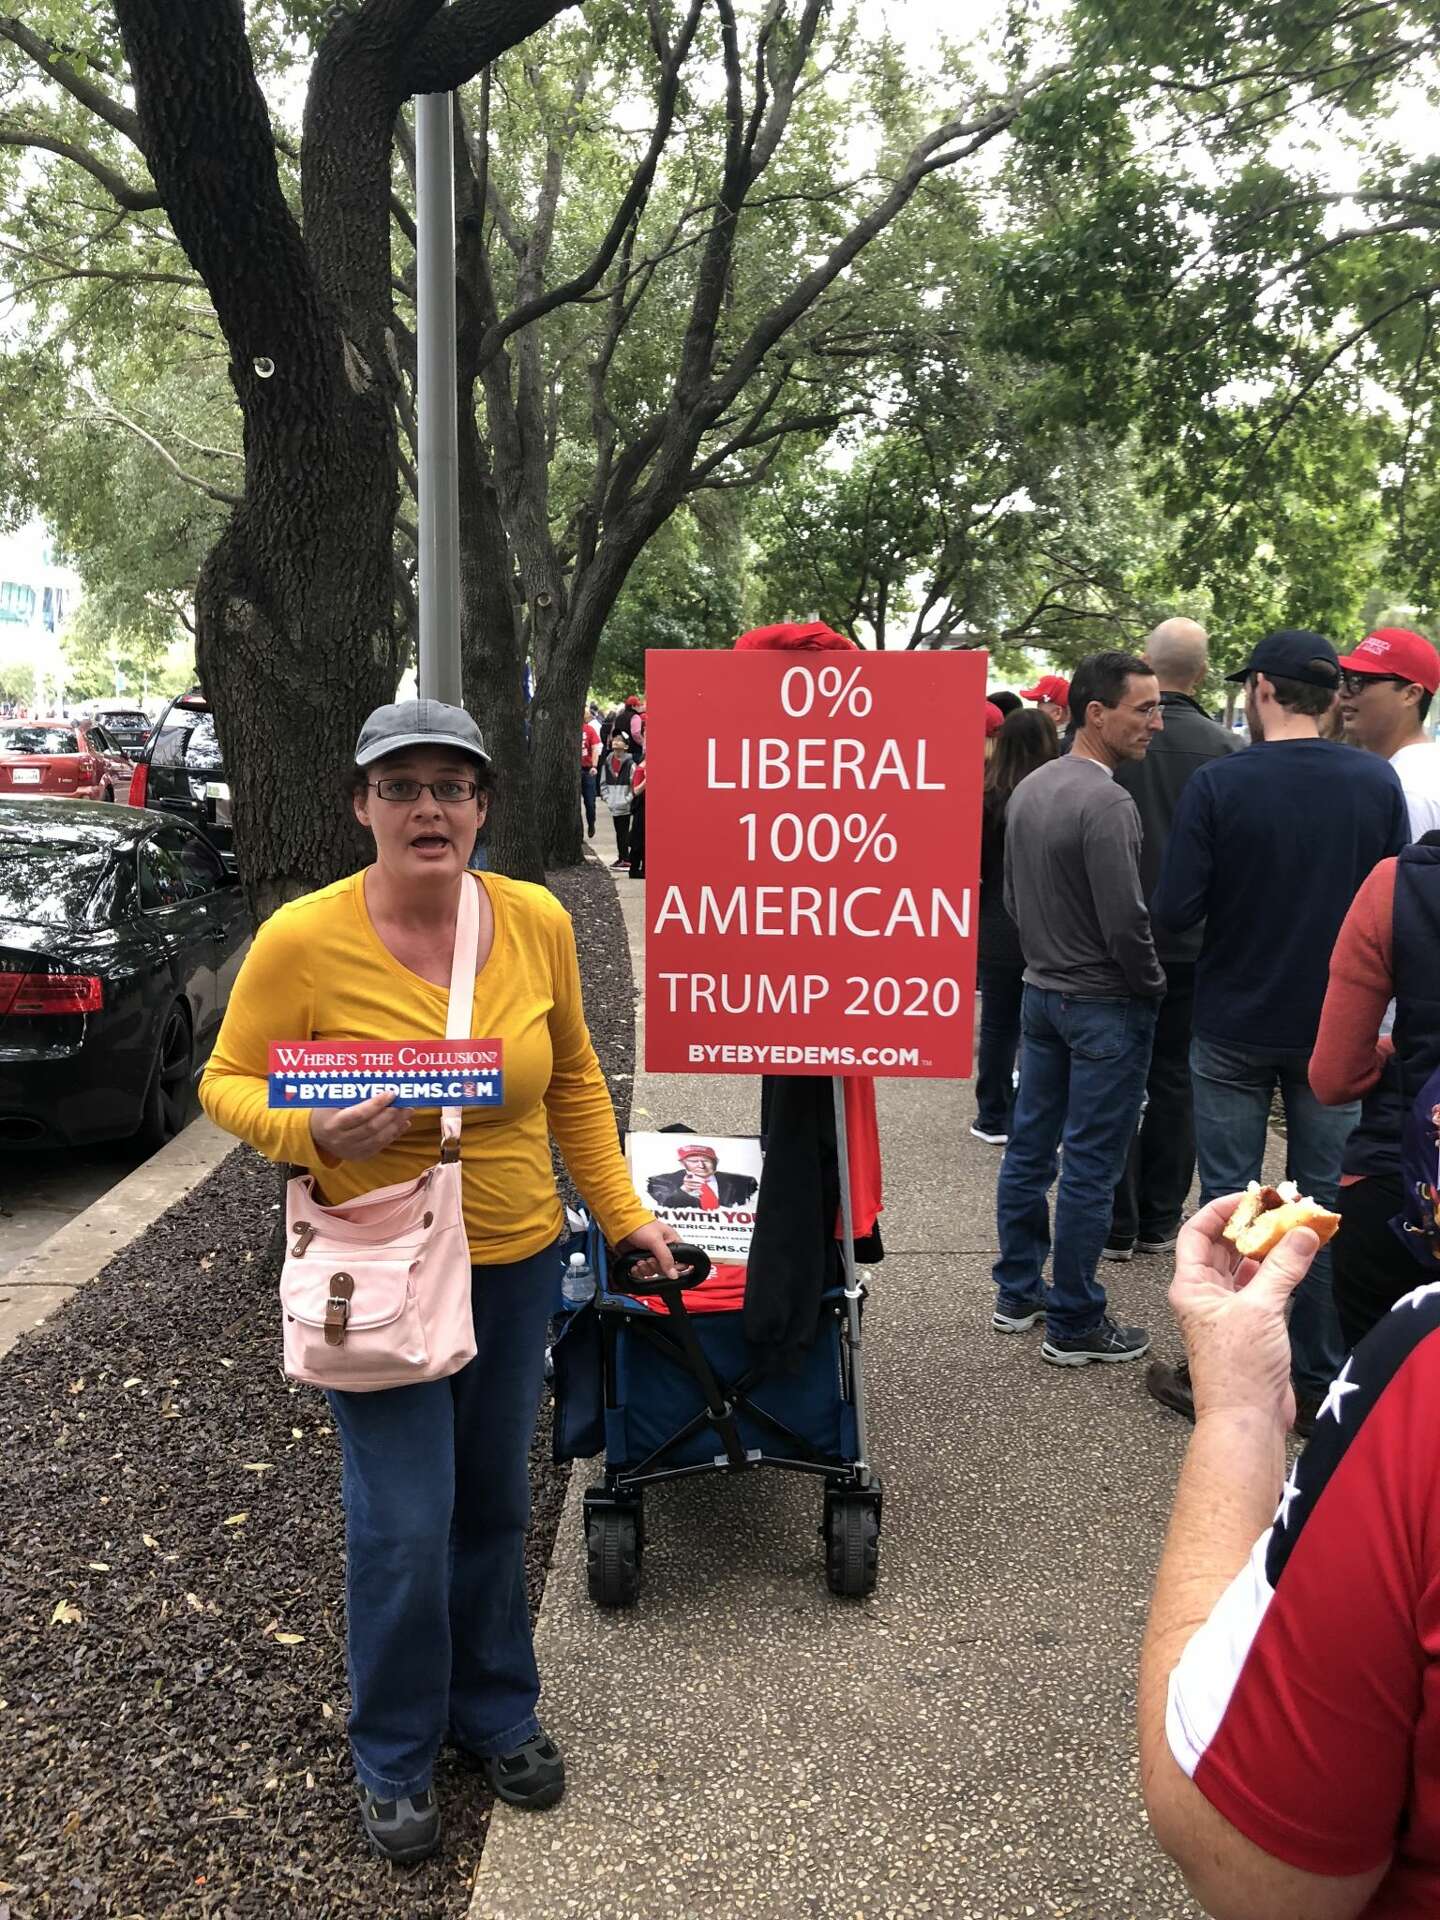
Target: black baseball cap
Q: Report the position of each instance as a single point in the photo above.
(1294, 653)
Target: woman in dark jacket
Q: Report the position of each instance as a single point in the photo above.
(1026, 741)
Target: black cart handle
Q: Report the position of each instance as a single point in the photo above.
(693, 1262)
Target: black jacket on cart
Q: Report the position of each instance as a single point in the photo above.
(794, 1255)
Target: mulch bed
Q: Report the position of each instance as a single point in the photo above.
(172, 1675)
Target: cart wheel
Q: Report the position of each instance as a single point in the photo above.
(852, 1543)
(612, 1556)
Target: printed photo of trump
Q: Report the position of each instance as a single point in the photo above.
(699, 1183)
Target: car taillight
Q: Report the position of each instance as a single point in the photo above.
(139, 780)
(42, 993)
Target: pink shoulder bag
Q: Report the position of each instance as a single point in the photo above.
(376, 1292)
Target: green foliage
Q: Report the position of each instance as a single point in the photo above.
(147, 659)
(17, 679)
(1176, 252)
(685, 590)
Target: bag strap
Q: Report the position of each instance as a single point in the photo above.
(460, 1012)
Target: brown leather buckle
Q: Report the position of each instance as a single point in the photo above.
(304, 1234)
(337, 1308)
(450, 1152)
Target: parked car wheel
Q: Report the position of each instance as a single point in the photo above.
(168, 1097)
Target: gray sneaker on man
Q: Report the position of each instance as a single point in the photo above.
(1105, 1345)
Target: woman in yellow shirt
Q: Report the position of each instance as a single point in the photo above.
(435, 1476)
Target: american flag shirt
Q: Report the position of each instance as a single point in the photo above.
(1307, 1708)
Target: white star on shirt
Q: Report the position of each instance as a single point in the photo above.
(1289, 1495)
(1418, 1296)
(1339, 1387)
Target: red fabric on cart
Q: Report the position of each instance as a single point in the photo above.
(721, 1291)
(863, 1128)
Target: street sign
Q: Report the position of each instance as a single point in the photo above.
(812, 861)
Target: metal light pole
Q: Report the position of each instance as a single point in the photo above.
(438, 668)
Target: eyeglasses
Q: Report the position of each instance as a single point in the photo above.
(1357, 682)
(449, 793)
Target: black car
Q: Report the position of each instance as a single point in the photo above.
(179, 769)
(121, 933)
(128, 726)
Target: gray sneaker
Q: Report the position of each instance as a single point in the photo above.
(1106, 1344)
(1016, 1319)
(402, 1830)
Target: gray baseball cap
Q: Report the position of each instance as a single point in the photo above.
(418, 723)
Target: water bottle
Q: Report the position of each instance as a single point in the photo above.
(578, 1286)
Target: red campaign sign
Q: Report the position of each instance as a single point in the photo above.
(812, 861)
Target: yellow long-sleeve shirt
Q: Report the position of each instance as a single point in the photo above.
(319, 971)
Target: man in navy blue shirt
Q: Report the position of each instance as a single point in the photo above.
(1268, 848)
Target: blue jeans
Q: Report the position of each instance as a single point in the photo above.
(1082, 1080)
(436, 1484)
(1234, 1087)
(589, 787)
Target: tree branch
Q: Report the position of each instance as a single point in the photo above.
(466, 36)
(954, 141)
(133, 199)
(121, 276)
(47, 57)
(106, 411)
(628, 211)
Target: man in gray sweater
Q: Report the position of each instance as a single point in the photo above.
(1092, 989)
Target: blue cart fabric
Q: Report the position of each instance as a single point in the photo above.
(656, 1396)
(578, 1429)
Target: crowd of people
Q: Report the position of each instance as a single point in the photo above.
(612, 768)
(1181, 934)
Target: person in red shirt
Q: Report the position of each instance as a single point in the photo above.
(589, 775)
(1384, 957)
(1289, 1711)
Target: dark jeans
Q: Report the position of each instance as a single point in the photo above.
(637, 837)
(1150, 1196)
(436, 1483)
(1000, 993)
(622, 834)
(1372, 1268)
(1083, 1080)
(1234, 1087)
(589, 787)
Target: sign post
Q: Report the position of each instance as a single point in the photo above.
(813, 853)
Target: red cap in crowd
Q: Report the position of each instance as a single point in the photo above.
(1050, 686)
(1396, 652)
(994, 719)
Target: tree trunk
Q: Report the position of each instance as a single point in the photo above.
(492, 658)
(556, 718)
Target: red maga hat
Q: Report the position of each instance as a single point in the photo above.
(811, 636)
(1396, 652)
(994, 718)
(1050, 686)
(689, 1153)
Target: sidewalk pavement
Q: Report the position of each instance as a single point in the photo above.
(48, 1273)
(960, 1745)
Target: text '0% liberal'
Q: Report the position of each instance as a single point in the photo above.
(822, 838)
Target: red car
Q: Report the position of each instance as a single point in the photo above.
(77, 758)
